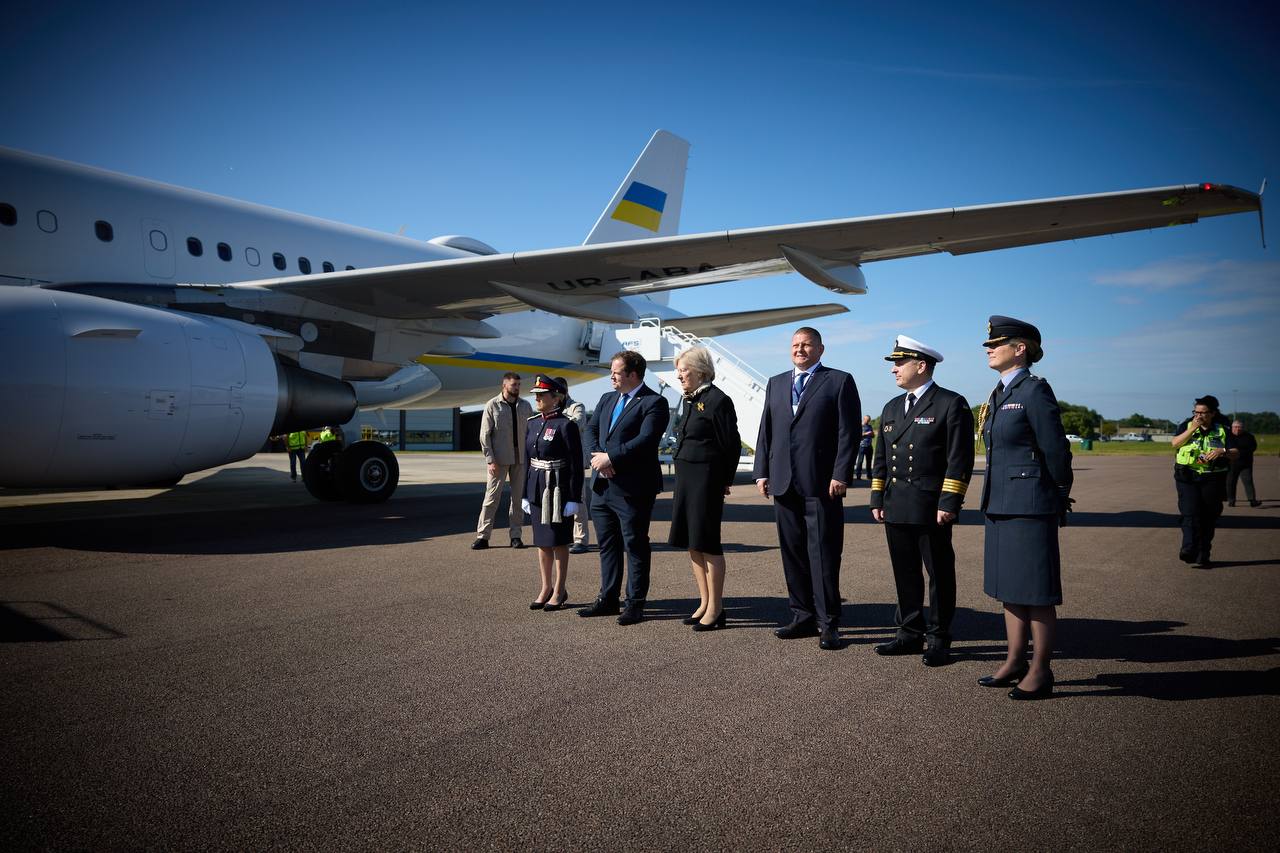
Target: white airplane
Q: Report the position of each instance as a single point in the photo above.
(169, 330)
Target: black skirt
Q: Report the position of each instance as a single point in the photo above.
(1021, 562)
(697, 508)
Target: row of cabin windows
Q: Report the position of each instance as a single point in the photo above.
(102, 229)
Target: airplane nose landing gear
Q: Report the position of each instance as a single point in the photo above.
(365, 472)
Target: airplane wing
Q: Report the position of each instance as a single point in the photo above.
(587, 281)
(713, 325)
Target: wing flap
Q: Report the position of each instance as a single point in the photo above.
(711, 325)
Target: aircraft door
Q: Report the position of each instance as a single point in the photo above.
(157, 248)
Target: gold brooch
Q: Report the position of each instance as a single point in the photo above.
(702, 407)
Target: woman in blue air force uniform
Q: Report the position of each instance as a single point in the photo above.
(1025, 498)
(552, 485)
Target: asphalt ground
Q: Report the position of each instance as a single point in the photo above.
(228, 665)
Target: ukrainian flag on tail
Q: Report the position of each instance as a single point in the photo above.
(641, 205)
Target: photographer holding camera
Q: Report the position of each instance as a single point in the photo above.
(1205, 447)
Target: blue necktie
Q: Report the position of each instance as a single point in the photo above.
(798, 388)
(617, 410)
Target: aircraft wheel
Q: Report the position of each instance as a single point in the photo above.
(368, 472)
(320, 471)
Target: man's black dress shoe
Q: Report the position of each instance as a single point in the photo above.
(577, 548)
(479, 544)
(899, 646)
(631, 614)
(553, 605)
(1187, 555)
(1044, 691)
(1255, 503)
(800, 628)
(1013, 677)
(517, 542)
(937, 654)
(600, 607)
(718, 622)
(830, 639)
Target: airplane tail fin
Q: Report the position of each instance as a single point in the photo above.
(648, 202)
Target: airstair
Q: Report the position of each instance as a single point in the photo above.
(733, 376)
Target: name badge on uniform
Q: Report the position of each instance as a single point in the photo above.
(548, 433)
(1011, 406)
(888, 427)
(925, 421)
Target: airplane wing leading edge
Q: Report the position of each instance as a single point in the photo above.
(588, 281)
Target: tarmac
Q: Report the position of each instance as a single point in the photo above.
(229, 665)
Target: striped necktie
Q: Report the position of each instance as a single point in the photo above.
(798, 388)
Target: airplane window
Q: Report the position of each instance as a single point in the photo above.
(47, 221)
(224, 251)
(327, 266)
(304, 265)
(104, 231)
(251, 255)
(350, 267)
(278, 260)
(195, 247)
(8, 216)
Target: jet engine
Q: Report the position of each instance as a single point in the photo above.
(102, 393)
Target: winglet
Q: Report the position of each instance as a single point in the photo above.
(647, 204)
(1262, 227)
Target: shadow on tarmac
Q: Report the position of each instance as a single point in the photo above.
(47, 622)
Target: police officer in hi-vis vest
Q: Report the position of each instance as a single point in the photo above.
(921, 469)
(1205, 447)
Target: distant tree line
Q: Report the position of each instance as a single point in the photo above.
(1087, 423)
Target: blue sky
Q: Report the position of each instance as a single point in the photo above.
(514, 123)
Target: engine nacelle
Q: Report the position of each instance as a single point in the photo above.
(96, 392)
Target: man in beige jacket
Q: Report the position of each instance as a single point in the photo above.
(502, 429)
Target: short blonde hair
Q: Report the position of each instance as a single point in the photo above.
(698, 359)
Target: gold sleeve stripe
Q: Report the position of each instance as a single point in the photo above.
(877, 485)
(957, 486)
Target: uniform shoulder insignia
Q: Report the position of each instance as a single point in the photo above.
(532, 417)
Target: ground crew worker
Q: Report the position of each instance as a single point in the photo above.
(297, 444)
(1205, 449)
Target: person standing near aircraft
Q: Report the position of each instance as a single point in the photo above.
(502, 442)
(297, 444)
(864, 449)
(1025, 496)
(923, 463)
(553, 484)
(1242, 465)
(622, 437)
(577, 412)
(804, 460)
(1206, 448)
(706, 457)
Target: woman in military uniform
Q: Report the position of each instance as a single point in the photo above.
(1025, 499)
(551, 488)
(706, 459)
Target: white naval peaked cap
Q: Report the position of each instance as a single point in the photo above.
(907, 347)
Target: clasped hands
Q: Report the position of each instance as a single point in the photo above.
(570, 508)
(944, 517)
(602, 464)
(837, 489)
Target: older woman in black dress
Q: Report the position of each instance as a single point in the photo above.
(1025, 498)
(706, 458)
(552, 486)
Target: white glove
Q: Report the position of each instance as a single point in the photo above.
(571, 508)
(524, 505)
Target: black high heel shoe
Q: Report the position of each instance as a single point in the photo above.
(692, 620)
(540, 605)
(718, 623)
(1007, 681)
(552, 604)
(1044, 691)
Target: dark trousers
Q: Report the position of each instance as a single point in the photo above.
(296, 458)
(863, 460)
(1199, 504)
(1244, 475)
(930, 544)
(622, 527)
(811, 536)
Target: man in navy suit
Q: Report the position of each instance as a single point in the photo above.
(804, 460)
(622, 438)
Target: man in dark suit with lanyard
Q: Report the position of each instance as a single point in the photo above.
(921, 470)
(804, 460)
(622, 438)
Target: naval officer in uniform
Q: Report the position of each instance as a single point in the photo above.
(921, 470)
